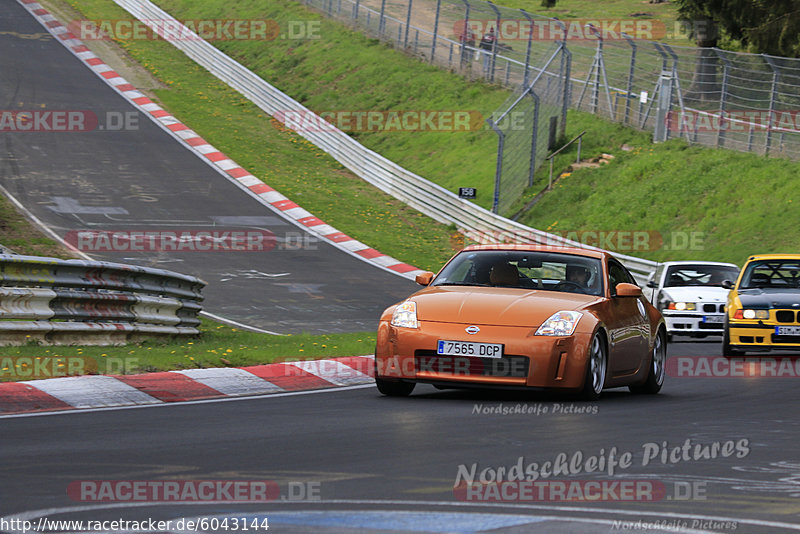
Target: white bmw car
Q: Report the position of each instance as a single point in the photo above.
(690, 295)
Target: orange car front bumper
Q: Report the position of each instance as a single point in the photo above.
(528, 360)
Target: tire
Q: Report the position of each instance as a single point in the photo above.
(596, 369)
(657, 371)
(394, 389)
(727, 350)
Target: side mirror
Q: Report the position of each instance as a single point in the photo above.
(652, 284)
(727, 284)
(628, 290)
(424, 279)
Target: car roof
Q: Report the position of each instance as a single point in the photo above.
(542, 248)
(774, 257)
(710, 263)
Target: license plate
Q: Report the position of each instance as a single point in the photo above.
(714, 319)
(787, 330)
(469, 348)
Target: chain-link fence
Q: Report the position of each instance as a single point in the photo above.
(745, 102)
(528, 125)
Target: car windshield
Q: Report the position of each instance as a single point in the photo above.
(699, 275)
(771, 274)
(524, 270)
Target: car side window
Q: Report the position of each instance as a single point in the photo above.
(618, 274)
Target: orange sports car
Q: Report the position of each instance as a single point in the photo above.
(523, 316)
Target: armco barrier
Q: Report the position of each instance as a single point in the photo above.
(93, 302)
(427, 197)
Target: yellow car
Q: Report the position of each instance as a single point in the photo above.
(763, 311)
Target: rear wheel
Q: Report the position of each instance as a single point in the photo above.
(595, 369)
(655, 376)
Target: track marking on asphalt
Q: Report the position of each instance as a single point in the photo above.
(44, 512)
(184, 403)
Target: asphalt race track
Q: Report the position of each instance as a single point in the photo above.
(350, 460)
(142, 179)
(716, 451)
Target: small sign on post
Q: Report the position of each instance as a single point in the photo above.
(467, 192)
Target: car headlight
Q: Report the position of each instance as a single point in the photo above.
(682, 306)
(751, 314)
(405, 315)
(561, 323)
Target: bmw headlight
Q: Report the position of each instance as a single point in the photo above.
(405, 315)
(682, 306)
(751, 314)
(561, 323)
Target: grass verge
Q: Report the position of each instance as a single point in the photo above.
(218, 346)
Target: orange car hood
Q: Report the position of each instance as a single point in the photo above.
(495, 305)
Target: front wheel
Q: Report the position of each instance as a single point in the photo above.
(655, 375)
(727, 350)
(595, 369)
(394, 389)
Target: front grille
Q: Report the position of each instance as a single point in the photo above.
(713, 308)
(710, 326)
(508, 366)
(785, 316)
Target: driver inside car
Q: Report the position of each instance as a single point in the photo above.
(578, 275)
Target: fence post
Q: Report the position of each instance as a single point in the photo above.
(435, 29)
(528, 50)
(723, 97)
(535, 129)
(566, 69)
(631, 73)
(493, 60)
(381, 19)
(464, 32)
(677, 82)
(660, 132)
(355, 10)
(499, 167)
(408, 23)
(776, 78)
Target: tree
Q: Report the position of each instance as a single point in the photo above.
(769, 27)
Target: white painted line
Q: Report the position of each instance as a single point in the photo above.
(231, 381)
(93, 391)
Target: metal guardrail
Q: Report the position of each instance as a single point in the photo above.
(93, 302)
(431, 199)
